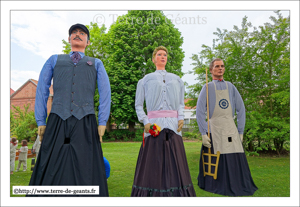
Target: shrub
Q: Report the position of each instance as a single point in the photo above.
(120, 135)
(191, 135)
(138, 135)
(22, 123)
(264, 133)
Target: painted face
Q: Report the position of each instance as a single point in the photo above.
(161, 58)
(78, 38)
(218, 70)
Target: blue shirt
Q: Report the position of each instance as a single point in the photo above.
(162, 91)
(45, 78)
(236, 101)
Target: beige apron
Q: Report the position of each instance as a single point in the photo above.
(224, 132)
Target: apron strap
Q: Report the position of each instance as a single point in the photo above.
(215, 86)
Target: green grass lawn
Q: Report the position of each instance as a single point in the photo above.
(270, 174)
(29, 145)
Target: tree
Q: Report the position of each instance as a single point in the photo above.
(23, 124)
(257, 63)
(272, 50)
(13, 123)
(129, 46)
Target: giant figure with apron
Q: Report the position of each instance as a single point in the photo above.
(233, 176)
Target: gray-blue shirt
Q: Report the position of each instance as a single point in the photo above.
(160, 95)
(236, 100)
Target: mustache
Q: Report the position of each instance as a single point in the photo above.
(77, 38)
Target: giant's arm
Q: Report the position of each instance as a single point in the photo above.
(104, 93)
(42, 91)
(181, 102)
(200, 111)
(139, 103)
(240, 111)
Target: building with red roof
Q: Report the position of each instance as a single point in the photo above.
(11, 91)
(26, 95)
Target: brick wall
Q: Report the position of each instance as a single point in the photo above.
(26, 95)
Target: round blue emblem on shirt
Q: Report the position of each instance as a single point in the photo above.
(223, 104)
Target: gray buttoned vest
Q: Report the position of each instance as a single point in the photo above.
(74, 87)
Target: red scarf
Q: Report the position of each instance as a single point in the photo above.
(14, 143)
(218, 79)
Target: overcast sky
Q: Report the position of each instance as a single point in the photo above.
(32, 31)
(36, 35)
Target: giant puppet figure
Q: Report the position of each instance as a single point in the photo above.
(233, 173)
(162, 168)
(71, 152)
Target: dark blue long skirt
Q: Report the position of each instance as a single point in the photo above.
(71, 154)
(233, 176)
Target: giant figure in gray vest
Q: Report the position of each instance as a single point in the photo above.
(233, 175)
(71, 152)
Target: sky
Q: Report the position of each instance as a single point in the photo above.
(32, 31)
(36, 35)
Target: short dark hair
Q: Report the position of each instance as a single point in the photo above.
(24, 142)
(211, 65)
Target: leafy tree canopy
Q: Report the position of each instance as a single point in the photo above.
(130, 42)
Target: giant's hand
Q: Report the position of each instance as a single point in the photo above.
(41, 131)
(147, 127)
(241, 137)
(180, 125)
(206, 141)
(101, 131)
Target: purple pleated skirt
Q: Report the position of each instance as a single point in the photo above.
(162, 169)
